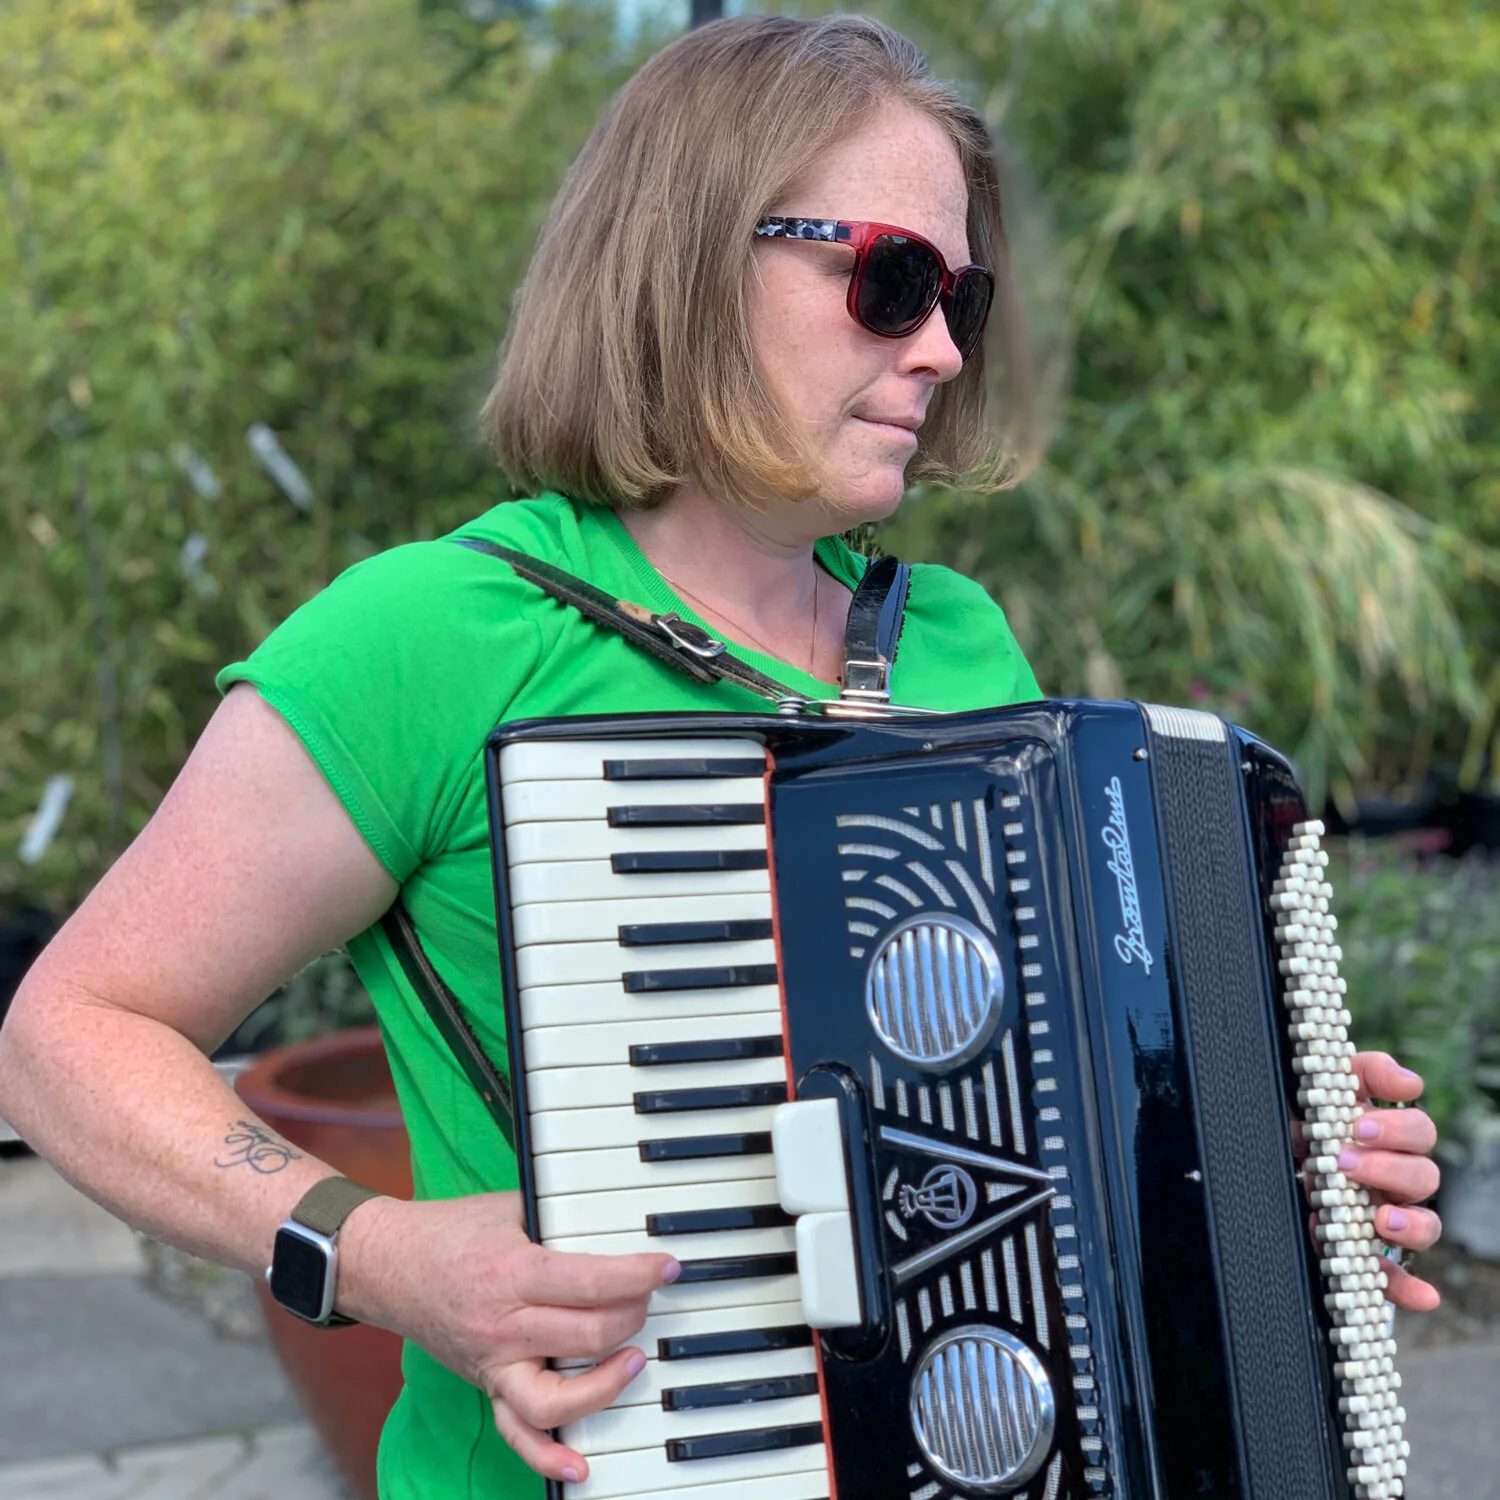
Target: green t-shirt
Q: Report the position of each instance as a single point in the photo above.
(393, 677)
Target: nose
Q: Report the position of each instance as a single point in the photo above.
(931, 348)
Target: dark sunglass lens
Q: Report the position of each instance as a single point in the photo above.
(899, 286)
(968, 309)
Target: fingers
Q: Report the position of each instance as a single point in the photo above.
(1408, 1291)
(563, 1279)
(1398, 1174)
(572, 1332)
(1382, 1077)
(1410, 1228)
(1396, 1130)
(529, 1398)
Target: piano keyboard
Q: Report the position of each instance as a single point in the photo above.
(652, 1042)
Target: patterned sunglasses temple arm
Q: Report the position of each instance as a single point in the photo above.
(802, 229)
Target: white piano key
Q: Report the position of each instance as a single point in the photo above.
(563, 1172)
(600, 921)
(620, 1428)
(607, 1213)
(537, 843)
(751, 1293)
(600, 1129)
(776, 1311)
(590, 1046)
(557, 760)
(595, 880)
(598, 963)
(798, 1473)
(604, 1088)
(673, 1374)
(587, 1004)
(572, 801)
(728, 1242)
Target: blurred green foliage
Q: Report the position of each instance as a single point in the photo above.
(213, 215)
(1274, 488)
(1421, 948)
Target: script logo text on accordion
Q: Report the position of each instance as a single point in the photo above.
(1130, 944)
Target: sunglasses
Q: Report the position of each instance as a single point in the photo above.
(898, 278)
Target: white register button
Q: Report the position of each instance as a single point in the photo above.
(812, 1182)
(808, 1143)
(826, 1269)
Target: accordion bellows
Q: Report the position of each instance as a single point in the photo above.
(973, 1067)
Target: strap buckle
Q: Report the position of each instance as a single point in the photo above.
(688, 637)
(867, 681)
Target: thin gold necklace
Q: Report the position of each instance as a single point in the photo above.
(812, 652)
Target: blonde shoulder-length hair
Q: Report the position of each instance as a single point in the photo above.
(628, 367)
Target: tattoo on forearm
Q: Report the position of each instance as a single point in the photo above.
(251, 1145)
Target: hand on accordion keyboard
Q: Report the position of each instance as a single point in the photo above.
(461, 1278)
(1390, 1155)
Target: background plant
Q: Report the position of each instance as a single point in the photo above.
(1273, 489)
(1421, 945)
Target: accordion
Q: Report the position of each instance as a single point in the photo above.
(969, 1065)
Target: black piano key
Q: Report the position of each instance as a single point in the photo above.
(682, 770)
(661, 981)
(734, 1341)
(687, 815)
(687, 861)
(723, 1049)
(698, 1147)
(728, 1096)
(658, 934)
(738, 1392)
(726, 1444)
(711, 1220)
(737, 1268)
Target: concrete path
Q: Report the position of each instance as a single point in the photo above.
(110, 1391)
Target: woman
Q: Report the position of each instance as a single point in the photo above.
(699, 383)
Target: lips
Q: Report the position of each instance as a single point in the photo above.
(908, 425)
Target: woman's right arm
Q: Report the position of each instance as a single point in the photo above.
(251, 868)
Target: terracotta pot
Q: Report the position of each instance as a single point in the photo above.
(333, 1097)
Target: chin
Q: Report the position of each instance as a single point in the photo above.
(873, 498)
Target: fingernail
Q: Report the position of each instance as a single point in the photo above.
(1410, 1072)
(1367, 1129)
(1397, 1220)
(571, 1476)
(634, 1365)
(670, 1272)
(1348, 1159)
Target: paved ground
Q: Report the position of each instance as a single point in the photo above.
(111, 1391)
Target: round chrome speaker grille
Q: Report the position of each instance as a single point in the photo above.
(934, 990)
(982, 1409)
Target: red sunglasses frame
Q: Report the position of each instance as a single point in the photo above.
(859, 235)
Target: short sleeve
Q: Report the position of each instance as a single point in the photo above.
(970, 656)
(392, 678)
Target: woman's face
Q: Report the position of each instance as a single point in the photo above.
(859, 398)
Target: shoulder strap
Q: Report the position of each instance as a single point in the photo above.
(442, 1005)
(669, 637)
(876, 616)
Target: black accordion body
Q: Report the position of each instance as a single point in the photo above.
(957, 1060)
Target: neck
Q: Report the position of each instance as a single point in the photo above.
(749, 573)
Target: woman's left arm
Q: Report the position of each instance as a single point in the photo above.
(1390, 1155)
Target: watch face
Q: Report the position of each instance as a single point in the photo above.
(299, 1275)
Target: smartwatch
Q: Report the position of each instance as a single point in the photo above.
(303, 1273)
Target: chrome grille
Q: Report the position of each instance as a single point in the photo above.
(934, 989)
(982, 1408)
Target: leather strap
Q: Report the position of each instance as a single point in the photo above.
(442, 1005)
(326, 1204)
(669, 637)
(876, 614)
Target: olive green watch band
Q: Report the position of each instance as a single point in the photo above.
(326, 1204)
